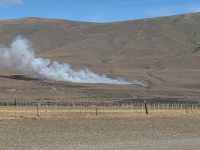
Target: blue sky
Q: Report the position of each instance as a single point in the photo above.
(96, 10)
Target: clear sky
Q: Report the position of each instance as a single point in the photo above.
(96, 10)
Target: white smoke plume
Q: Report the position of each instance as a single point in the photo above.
(21, 55)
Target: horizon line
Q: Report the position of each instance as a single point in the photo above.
(98, 22)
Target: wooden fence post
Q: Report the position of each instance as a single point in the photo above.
(15, 102)
(186, 109)
(38, 113)
(146, 108)
(97, 106)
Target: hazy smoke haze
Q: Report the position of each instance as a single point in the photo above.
(20, 55)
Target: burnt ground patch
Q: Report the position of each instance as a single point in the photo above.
(20, 77)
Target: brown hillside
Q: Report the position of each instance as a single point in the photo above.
(162, 51)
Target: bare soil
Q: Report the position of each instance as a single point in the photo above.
(102, 133)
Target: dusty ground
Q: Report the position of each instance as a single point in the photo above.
(102, 133)
(163, 83)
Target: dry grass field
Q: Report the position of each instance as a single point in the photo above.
(17, 112)
(153, 132)
(124, 127)
(163, 53)
(165, 83)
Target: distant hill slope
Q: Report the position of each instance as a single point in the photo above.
(165, 52)
(168, 42)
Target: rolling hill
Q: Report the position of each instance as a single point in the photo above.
(164, 52)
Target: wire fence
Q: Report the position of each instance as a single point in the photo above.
(97, 106)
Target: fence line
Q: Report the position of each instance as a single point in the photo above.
(97, 106)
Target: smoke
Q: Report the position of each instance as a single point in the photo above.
(21, 56)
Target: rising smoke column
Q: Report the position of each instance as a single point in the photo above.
(20, 55)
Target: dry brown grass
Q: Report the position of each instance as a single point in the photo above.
(163, 51)
(67, 111)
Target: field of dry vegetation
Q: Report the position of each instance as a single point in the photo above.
(93, 127)
(172, 131)
(163, 53)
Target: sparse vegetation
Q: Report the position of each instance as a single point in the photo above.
(48, 115)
